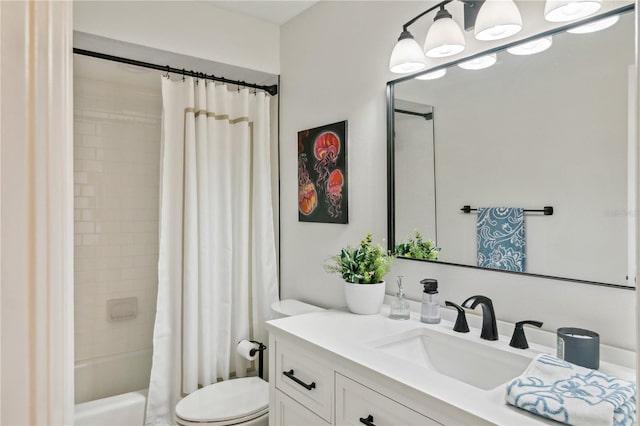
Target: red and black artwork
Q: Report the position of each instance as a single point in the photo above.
(322, 174)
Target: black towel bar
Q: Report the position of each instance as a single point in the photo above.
(547, 210)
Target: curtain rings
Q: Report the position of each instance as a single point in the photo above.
(167, 74)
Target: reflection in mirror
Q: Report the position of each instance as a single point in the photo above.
(549, 129)
(415, 151)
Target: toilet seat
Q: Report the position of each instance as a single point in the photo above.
(260, 420)
(225, 403)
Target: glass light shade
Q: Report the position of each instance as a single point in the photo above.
(444, 38)
(534, 46)
(479, 63)
(594, 26)
(407, 56)
(432, 75)
(497, 19)
(569, 10)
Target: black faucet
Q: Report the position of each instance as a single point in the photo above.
(489, 327)
(461, 325)
(519, 340)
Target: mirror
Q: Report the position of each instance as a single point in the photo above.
(550, 129)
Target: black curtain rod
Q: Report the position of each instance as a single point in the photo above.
(272, 90)
(547, 210)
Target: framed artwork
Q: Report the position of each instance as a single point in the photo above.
(322, 174)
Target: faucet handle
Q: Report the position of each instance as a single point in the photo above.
(519, 340)
(461, 325)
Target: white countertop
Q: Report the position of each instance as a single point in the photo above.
(350, 336)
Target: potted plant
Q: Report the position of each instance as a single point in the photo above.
(418, 248)
(362, 268)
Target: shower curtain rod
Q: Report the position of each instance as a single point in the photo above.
(272, 90)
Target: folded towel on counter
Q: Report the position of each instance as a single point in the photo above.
(501, 238)
(558, 390)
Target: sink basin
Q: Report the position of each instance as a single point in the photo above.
(479, 363)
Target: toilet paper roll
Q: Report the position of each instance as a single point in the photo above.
(244, 350)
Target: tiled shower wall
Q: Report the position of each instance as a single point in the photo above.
(116, 183)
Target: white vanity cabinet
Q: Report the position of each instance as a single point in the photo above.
(356, 404)
(303, 377)
(284, 410)
(337, 368)
(307, 390)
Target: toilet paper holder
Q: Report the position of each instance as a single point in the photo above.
(260, 349)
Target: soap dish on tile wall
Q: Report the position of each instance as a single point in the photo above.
(122, 309)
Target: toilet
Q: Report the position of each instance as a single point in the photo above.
(243, 401)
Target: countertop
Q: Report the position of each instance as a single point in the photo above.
(352, 337)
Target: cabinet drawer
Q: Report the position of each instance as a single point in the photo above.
(288, 412)
(358, 405)
(305, 378)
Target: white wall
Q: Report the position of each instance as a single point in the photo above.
(340, 74)
(191, 28)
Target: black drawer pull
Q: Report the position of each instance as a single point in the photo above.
(290, 375)
(368, 421)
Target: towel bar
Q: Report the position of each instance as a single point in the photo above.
(547, 210)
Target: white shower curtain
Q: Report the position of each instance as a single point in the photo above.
(217, 261)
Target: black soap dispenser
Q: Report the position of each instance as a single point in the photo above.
(430, 312)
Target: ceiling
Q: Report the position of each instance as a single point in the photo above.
(277, 12)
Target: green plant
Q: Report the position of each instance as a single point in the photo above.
(365, 264)
(418, 248)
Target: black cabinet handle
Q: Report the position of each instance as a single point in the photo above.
(290, 375)
(368, 421)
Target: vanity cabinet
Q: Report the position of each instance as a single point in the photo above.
(356, 404)
(305, 378)
(307, 390)
(286, 411)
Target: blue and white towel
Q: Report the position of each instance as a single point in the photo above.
(501, 238)
(556, 389)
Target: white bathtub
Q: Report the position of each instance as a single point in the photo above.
(112, 390)
(126, 409)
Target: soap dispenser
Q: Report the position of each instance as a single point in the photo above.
(400, 306)
(430, 312)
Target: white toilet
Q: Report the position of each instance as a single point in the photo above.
(243, 401)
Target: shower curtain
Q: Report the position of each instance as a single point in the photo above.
(217, 261)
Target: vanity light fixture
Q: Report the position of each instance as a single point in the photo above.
(407, 55)
(497, 19)
(531, 47)
(479, 63)
(594, 26)
(570, 10)
(432, 75)
(444, 38)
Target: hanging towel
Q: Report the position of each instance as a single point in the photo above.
(558, 390)
(501, 239)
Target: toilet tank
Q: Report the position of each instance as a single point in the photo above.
(291, 307)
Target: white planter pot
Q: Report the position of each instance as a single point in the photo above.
(364, 299)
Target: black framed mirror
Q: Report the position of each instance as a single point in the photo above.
(530, 132)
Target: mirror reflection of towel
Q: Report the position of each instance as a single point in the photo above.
(501, 238)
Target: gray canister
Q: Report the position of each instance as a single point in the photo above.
(579, 346)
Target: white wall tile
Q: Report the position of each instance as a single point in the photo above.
(116, 178)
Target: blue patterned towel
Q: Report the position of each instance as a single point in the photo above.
(501, 241)
(574, 395)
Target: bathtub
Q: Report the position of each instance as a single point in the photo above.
(126, 409)
(111, 390)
